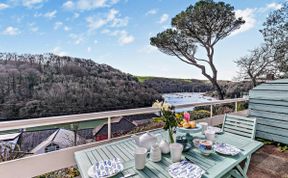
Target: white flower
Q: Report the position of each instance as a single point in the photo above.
(166, 106)
(162, 105)
(157, 104)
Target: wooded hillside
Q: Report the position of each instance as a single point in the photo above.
(46, 85)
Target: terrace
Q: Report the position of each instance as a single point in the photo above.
(267, 162)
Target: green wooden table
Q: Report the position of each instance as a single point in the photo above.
(215, 165)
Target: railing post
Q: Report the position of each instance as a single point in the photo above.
(236, 104)
(211, 111)
(211, 115)
(109, 128)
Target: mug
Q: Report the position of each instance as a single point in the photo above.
(210, 135)
(176, 152)
(204, 126)
(140, 155)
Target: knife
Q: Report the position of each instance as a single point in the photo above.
(129, 175)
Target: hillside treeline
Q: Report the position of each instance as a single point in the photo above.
(46, 85)
(167, 85)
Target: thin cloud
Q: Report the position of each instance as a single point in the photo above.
(76, 15)
(151, 12)
(58, 51)
(11, 31)
(274, 6)
(164, 18)
(50, 15)
(93, 4)
(3, 6)
(33, 27)
(270, 6)
(33, 3)
(148, 49)
(66, 28)
(124, 37)
(69, 5)
(77, 38)
(113, 18)
(57, 25)
(248, 15)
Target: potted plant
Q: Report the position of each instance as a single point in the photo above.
(167, 116)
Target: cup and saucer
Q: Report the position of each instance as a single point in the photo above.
(183, 141)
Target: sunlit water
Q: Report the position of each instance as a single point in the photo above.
(186, 98)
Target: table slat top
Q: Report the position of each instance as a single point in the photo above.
(215, 165)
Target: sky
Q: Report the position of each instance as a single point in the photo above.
(117, 32)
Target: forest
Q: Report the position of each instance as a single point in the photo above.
(170, 85)
(47, 85)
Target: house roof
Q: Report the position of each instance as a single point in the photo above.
(99, 127)
(6, 137)
(62, 137)
(123, 124)
(9, 139)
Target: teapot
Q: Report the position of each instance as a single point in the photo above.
(146, 140)
(164, 146)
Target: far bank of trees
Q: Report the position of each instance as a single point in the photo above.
(169, 85)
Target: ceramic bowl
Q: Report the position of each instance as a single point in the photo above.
(206, 147)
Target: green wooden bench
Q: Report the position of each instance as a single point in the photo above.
(244, 127)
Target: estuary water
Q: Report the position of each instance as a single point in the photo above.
(186, 98)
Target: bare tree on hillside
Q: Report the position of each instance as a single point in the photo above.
(259, 62)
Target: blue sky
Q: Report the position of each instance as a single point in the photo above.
(117, 32)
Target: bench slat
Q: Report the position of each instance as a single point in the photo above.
(237, 132)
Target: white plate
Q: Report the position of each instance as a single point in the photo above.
(214, 129)
(106, 168)
(226, 149)
(197, 129)
(185, 169)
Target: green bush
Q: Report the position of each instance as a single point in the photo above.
(199, 114)
(224, 108)
(71, 172)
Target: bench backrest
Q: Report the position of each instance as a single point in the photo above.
(239, 125)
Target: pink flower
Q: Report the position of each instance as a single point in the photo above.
(187, 116)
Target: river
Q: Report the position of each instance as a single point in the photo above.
(186, 98)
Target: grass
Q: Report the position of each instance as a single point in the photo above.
(142, 79)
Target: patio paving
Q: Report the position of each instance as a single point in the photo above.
(269, 162)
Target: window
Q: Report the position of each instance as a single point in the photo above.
(51, 147)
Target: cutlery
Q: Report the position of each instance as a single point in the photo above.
(129, 175)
